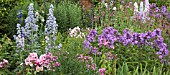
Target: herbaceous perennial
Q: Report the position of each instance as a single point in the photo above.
(76, 32)
(44, 61)
(143, 14)
(50, 30)
(109, 36)
(19, 38)
(30, 28)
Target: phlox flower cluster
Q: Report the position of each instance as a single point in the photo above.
(163, 51)
(159, 12)
(90, 38)
(102, 71)
(50, 30)
(4, 63)
(76, 32)
(109, 36)
(30, 28)
(143, 13)
(88, 61)
(44, 61)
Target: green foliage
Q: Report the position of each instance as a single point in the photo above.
(68, 56)
(68, 15)
(5, 47)
(139, 70)
(5, 7)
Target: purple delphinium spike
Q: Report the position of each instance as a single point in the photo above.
(20, 16)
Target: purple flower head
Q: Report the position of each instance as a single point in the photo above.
(126, 31)
(158, 15)
(157, 10)
(153, 5)
(149, 35)
(94, 50)
(126, 37)
(158, 32)
(87, 45)
(102, 71)
(164, 10)
(91, 35)
(168, 15)
(136, 38)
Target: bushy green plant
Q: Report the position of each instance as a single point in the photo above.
(5, 7)
(68, 15)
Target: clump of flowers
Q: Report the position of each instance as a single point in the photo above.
(143, 14)
(88, 61)
(110, 56)
(4, 63)
(44, 61)
(50, 30)
(76, 32)
(110, 36)
(102, 71)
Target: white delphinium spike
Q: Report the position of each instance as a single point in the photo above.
(19, 38)
(135, 9)
(141, 9)
(146, 4)
(146, 10)
(51, 29)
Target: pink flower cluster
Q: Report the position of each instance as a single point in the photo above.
(4, 63)
(88, 61)
(102, 71)
(46, 60)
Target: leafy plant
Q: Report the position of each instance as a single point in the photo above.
(68, 15)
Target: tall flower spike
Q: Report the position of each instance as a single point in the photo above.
(19, 38)
(146, 5)
(30, 26)
(141, 9)
(51, 29)
(135, 9)
(146, 10)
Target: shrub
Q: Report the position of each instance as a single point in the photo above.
(68, 15)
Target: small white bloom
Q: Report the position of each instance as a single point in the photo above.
(114, 8)
(106, 5)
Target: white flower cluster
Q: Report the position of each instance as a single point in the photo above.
(143, 14)
(109, 5)
(76, 32)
